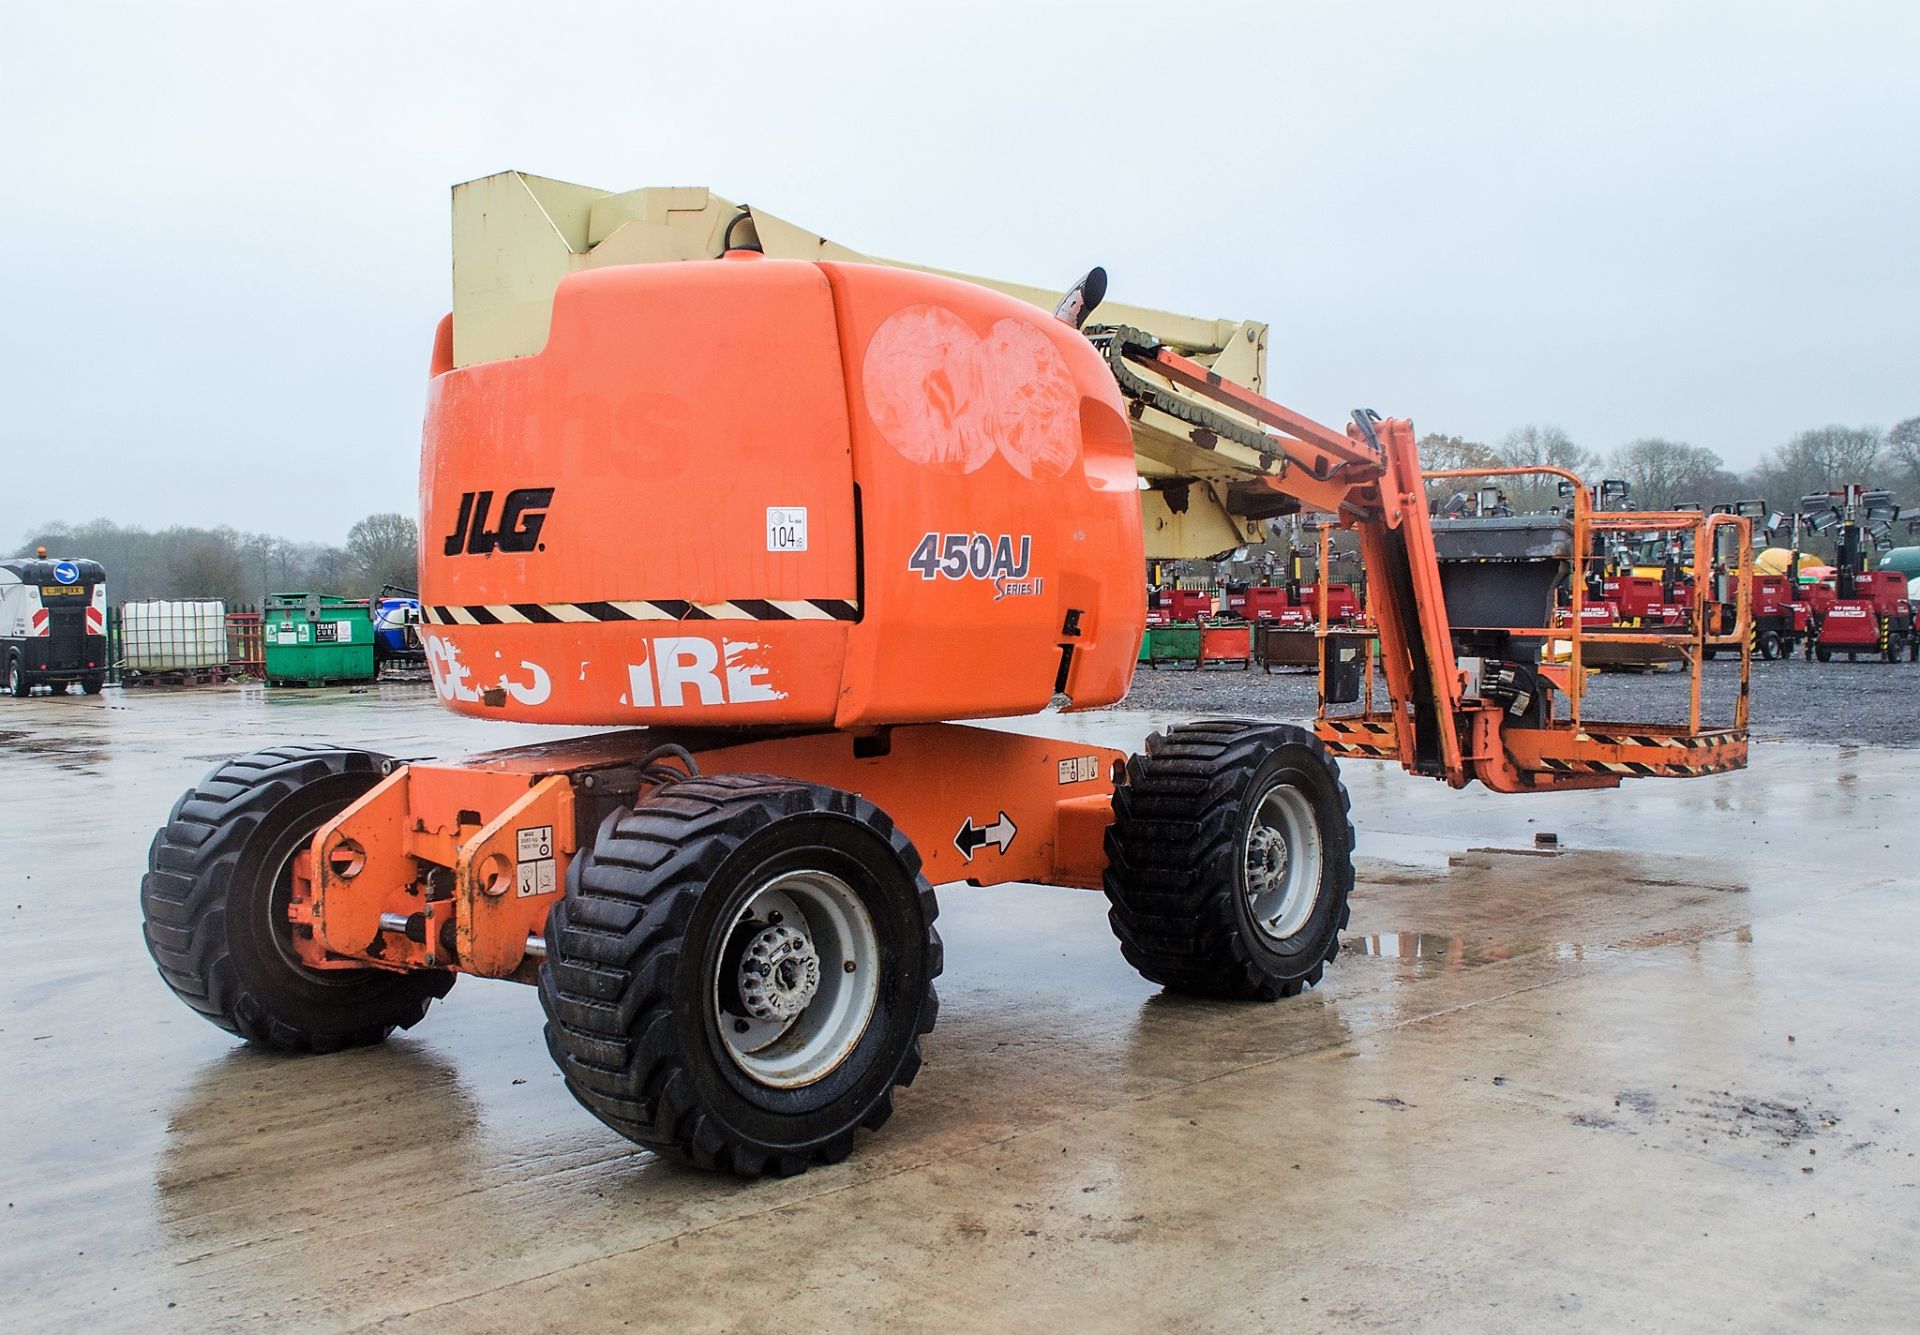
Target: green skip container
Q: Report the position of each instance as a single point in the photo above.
(1175, 642)
(314, 639)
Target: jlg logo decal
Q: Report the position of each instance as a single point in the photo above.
(521, 516)
(683, 666)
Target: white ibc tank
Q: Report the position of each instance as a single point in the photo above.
(173, 635)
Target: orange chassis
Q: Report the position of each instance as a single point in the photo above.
(454, 865)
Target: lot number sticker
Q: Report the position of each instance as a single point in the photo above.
(786, 528)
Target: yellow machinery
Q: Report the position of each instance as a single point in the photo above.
(1203, 462)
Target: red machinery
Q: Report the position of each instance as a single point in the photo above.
(1860, 611)
(1641, 613)
(1166, 606)
(1292, 604)
(1641, 600)
(1780, 613)
(1867, 614)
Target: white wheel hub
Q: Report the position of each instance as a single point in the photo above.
(779, 973)
(1281, 857)
(798, 1001)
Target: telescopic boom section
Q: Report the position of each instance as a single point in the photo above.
(1464, 619)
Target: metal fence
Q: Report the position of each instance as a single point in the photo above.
(246, 644)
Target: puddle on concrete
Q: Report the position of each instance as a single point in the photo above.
(1406, 946)
(1428, 951)
(1431, 952)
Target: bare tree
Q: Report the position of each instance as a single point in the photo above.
(1903, 457)
(205, 564)
(386, 548)
(1663, 472)
(332, 571)
(1537, 447)
(1823, 459)
(1441, 451)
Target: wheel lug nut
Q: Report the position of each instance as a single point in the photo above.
(848, 966)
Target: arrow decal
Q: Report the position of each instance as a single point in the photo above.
(972, 837)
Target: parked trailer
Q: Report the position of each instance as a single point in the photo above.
(53, 624)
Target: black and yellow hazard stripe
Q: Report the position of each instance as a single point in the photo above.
(653, 609)
(1360, 737)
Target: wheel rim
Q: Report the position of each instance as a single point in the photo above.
(1281, 855)
(280, 927)
(798, 979)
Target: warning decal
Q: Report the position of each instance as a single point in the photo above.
(535, 873)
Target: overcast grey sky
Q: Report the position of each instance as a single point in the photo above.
(225, 226)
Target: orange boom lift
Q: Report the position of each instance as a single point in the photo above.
(777, 524)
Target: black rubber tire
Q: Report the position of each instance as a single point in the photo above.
(1710, 653)
(210, 894)
(634, 947)
(17, 685)
(1770, 646)
(1824, 654)
(93, 683)
(1175, 866)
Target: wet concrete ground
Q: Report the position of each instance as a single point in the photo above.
(1666, 1079)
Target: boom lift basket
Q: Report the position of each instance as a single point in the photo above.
(1498, 577)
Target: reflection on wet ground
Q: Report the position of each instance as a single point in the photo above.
(1512, 1056)
(1439, 952)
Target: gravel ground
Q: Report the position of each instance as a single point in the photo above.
(1867, 702)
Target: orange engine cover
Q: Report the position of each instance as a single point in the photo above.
(754, 492)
